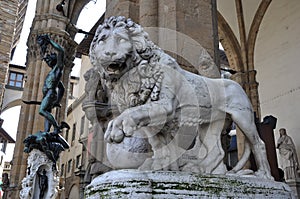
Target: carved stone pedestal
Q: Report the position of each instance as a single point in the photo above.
(295, 186)
(168, 184)
(38, 163)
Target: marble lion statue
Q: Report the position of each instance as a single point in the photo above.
(177, 110)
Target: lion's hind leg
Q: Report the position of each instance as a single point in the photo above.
(213, 161)
(209, 149)
(244, 119)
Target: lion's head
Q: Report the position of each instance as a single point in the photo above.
(119, 45)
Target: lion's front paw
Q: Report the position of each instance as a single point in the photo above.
(129, 126)
(117, 136)
(107, 132)
(120, 127)
(113, 133)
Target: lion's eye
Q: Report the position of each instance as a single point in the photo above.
(102, 38)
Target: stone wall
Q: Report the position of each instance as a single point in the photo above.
(277, 65)
(184, 29)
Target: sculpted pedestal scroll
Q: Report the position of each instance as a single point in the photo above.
(179, 113)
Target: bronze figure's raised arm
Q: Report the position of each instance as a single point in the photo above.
(51, 143)
(53, 89)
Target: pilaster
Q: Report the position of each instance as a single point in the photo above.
(184, 29)
(149, 18)
(127, 8)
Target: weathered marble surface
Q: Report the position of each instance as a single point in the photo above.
(38, 161)
(129, 154)
(169, 185)
(171, 107)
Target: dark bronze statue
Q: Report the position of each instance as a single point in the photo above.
(51, 143)
(53, 89)
(5, 184)
(43, 183)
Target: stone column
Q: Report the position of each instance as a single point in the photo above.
(149, 18)
(47, 21)
(189, 34)
(181, 28)
(253, 91)
(127, 8)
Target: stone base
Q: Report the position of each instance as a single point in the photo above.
(169, 184)
(37, 162)
(295, 186)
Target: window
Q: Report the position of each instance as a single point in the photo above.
(15, 79)
(62, 170)
(74, 132)
(67, 135)
(4, 145)
(69, 165)
(78, 161)
(71, 88)
(82, 125)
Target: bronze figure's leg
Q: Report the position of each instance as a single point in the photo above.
(46, 105)
(60, 94)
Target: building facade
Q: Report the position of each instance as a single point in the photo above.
(12, 14)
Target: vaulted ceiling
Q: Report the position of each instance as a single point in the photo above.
(238, 26)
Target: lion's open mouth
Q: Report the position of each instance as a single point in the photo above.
(116, 68)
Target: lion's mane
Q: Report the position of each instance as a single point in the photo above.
(145, 57)
(144, 48)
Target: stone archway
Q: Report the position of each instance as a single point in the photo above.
(240, 52)
(14, 103)
(74, 192)
(230, 44)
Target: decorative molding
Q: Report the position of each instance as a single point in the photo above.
(38, 161)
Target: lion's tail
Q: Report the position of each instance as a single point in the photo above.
(241, 163)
